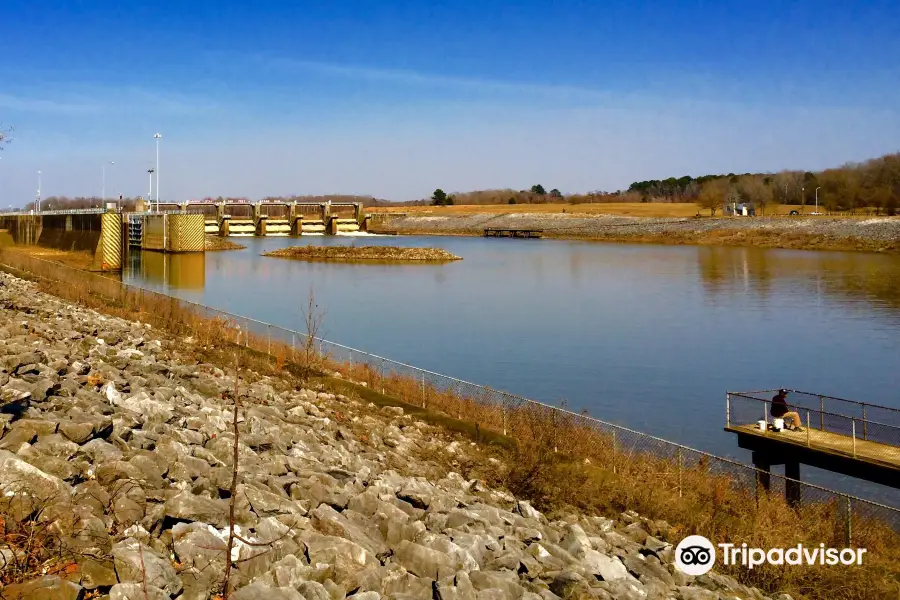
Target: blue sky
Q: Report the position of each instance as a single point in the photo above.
(397, 98)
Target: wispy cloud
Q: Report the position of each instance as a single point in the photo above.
(431, 80)
(75, 100)
(22, 103)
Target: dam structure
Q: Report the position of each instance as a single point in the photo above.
(109, 233)
(273, 218)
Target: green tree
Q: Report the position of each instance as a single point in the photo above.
(511, 200)
(555, 193)
(538, 190)
(439, 197)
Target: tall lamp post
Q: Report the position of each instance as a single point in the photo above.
(38, 203)
(157, 137)
(103, 175)
(817, 199)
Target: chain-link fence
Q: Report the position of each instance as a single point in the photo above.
(687, 472)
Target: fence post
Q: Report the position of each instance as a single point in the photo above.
(614, 451)
(807, 429)
(865, 428)
(503, 412)
(293, 347)
(382, 376)
(727, 409)
(268, 339)
(679, 472)
(821, 413)
(848, 532)
(423, 389)
(853, 428)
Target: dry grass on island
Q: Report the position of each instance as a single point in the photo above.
(364, 254)
(215, 243)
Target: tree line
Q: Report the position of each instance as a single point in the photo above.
(872, 184)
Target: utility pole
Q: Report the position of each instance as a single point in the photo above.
(157, 137)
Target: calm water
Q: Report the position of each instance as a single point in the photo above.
(650, 337)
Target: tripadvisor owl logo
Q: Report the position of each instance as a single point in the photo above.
(695, 555)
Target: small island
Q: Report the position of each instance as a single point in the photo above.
(216, 243)
(364, 254)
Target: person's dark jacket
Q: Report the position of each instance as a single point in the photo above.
(779, 406)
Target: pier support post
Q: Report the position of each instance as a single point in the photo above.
(763, 476)
(792, 488)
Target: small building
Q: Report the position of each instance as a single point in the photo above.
(740, 209)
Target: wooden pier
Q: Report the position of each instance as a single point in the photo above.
(514, 233)
(851, 438)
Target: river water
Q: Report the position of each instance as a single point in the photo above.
(647, 336)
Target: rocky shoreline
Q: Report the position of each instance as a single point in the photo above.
(876, 234)
(117, 445)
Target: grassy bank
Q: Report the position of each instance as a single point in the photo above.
(552, 457)
(364, 254)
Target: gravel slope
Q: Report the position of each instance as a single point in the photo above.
(877, 230)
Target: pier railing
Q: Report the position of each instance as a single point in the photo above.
(855, 420)
(622, 450)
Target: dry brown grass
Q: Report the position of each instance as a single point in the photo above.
(77, 260)
(631, 209)
(554, 458)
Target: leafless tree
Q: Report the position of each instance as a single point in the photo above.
(313, 319)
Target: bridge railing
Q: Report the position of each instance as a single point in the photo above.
(864, 411)
(746, 409)
(70, 211)
(628, 453)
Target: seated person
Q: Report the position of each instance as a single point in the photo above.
(780, 410)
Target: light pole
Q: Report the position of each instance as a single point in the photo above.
(150, 190)
(157, 137)
(103, 189)
(38, 203)
(817, 200)
(802, 199)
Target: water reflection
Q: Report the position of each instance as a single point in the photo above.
(730, 272)
(184, 271)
